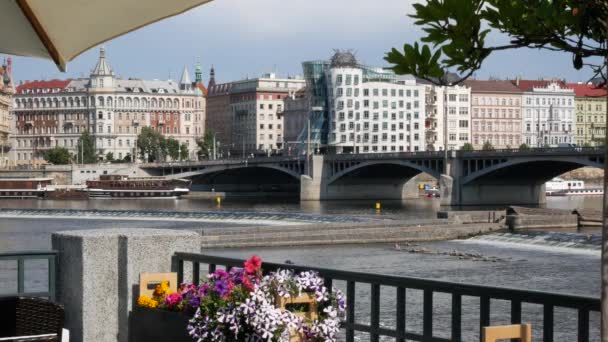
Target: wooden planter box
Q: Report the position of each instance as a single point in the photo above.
(310, 314)
(151, 325)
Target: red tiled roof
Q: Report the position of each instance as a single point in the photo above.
(492, 86)
(527, 85)
(586, 90)
(52, 84)
(201, 86)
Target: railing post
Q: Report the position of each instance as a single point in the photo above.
(427, 313)
(547, 323)
(20, 276)
(583, 325)
(401, 327)
(374, 335)
(484, 314)
(52, 273)
(456, 317)
(350, 311)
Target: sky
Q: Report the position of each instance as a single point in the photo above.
(247, 38)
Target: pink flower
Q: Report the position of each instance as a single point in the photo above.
(253, 264)
(173, 299)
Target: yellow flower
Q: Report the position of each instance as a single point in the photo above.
(164, 286)
(143, 301)
(158, 290)
(153, 304)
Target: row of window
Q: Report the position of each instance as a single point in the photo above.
(496, 140)
(598, 107)
(481, 126)
(270, 126)
(376, 92)
(548, 101)
(532, 140)
(79, 102)
(595, 118)
(375, 116)
(374, 127)
(375, 138)
(495, 101)
(100, 115)
(549, 127)
(496, 113)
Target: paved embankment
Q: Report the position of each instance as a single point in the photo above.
(334, 234)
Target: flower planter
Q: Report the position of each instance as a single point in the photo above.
(309, 313)
(150, 325)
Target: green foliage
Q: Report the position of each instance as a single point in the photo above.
(455, 33)
(524, 147)
(58, 156)
(184, 153)
(86, 149)
(587, 145)
(205, 144)
(172, 148)
(487, 146)
(151, 144)
(467, 147)
(110, 157)
(127, 158)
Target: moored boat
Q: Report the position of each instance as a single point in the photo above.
(24, 187)
(573, 187)
(121, 186)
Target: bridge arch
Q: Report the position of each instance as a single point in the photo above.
(217, 169)
(539, 169)
(410, 169)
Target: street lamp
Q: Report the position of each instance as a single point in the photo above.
(135, 125)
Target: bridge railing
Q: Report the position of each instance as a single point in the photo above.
(235, 161)
(371, 287)
(534, 151)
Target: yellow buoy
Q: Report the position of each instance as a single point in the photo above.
(218, 200)
(378, 206)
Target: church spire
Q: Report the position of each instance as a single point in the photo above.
(103, 67)
(211, 77)
(198, 74)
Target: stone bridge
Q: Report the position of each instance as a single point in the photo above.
(469, 178)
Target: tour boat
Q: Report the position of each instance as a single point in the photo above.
(24, 187)
(120, 186)
(573, 187)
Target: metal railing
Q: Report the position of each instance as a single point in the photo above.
(23, 256)
(549, 301)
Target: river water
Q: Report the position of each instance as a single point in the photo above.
(544, 261)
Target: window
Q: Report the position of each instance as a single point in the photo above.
(465, 98)
(452, 98)
(452, 137)
(463, 124)
(339, 79)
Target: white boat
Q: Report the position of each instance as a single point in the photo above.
(572, 187)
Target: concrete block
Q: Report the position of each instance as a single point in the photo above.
(99, 270)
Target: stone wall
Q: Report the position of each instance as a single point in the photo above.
(99, 273)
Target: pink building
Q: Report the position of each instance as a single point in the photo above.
(495, 114)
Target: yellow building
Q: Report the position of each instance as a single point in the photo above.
(590, 115)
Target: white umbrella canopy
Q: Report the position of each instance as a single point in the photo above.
(63, 29)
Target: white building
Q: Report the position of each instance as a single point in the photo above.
(455, 102)
(55, 113)
(371, 110)
(547, 108)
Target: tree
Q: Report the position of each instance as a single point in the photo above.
(58, 156)
(127, 158)
(205, 144)
(524, 147)
(151, 145)
(172, 146)
(457, 31)
(487, 146)
(587, 145)
(184, 153)
(86, 149)
(110, 157)
(467, 147)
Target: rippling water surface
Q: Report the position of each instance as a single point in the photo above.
(545, 261)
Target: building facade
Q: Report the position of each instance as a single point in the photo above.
(6, 92)
(257, 106)
(449, 107)
(590, 114)
(363, 109)
(295, 120)
(495, 114)
(113, 110)
(219, 117)
(548, 111)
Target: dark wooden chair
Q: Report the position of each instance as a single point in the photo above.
(30, 319)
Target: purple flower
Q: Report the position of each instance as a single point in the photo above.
(203, 289)
(220, 288)
(219, 274)
(195, 301)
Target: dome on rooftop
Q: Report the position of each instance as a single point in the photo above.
(343, 59)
